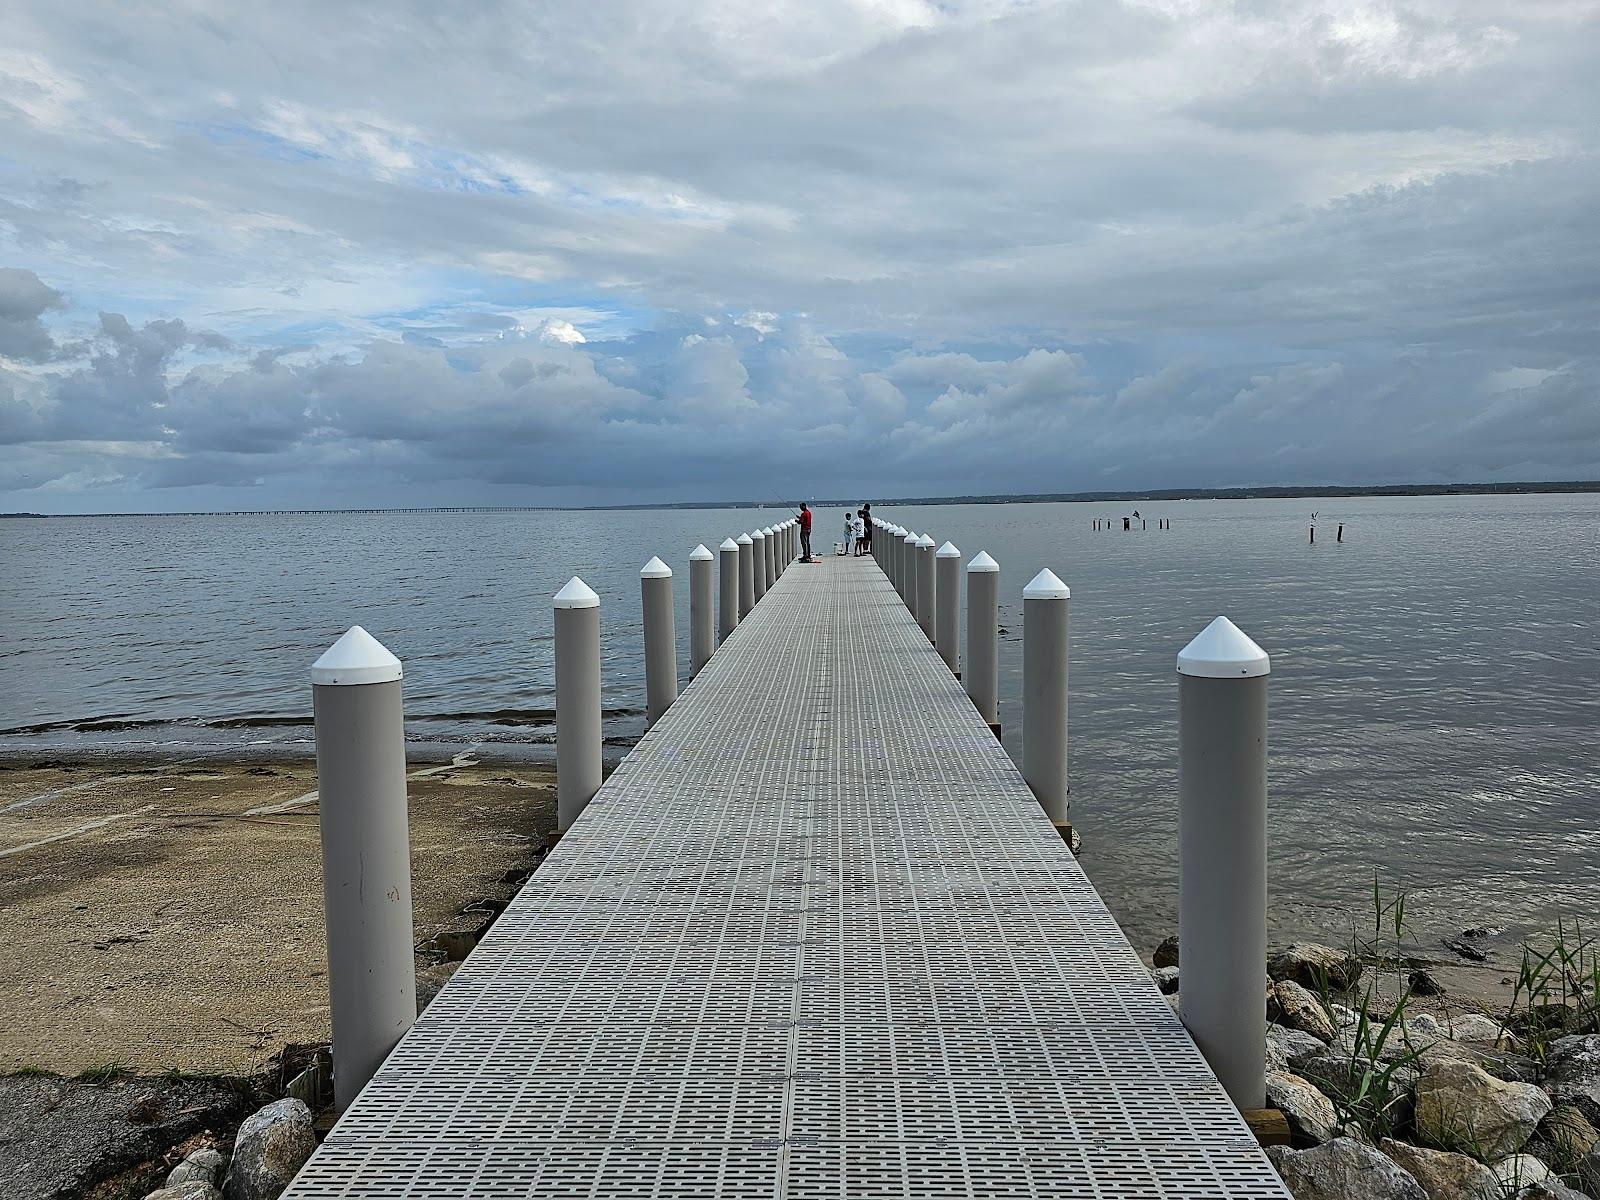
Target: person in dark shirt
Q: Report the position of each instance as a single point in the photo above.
(805, 533)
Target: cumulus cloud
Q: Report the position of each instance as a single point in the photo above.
(910, 247)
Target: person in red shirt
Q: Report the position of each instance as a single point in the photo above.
(805, 533)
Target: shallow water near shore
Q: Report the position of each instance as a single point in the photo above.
(1434, 694)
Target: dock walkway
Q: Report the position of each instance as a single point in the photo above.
(813, 938)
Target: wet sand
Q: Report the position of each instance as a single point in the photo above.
(163, 916)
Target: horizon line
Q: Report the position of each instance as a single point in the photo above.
(1262, 492)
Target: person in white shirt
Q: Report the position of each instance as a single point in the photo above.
(849, 532)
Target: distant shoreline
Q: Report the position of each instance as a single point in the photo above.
(1569, 487)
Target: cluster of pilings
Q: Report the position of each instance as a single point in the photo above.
(1222, 703)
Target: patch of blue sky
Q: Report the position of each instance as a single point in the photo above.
(269, 144)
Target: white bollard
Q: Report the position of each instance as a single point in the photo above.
(1222, 853)
(727, 588)
(908, 548)
(366, 855)
(702, 608)
(1044, 693)
(758, 564)
(747, 577)
(927, 594)
(772, 556)
(982, 673)
(660, 640)
(578, 762)
(947, 632)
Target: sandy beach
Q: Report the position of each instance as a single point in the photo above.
(163, 916)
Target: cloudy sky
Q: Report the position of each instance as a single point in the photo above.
(257, 255)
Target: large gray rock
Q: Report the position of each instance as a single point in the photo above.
(1549, 1189)
(1290, 1005)
(1475, 1027)
(1502, 1064)
(273, 1144)
(1166, 979)
(1343, 1169)
(1459, 1105)
(1309, 965)
(1311, 1115)
(1342, 1075)
(1443, 1174)
(1518, 1171)
(1288, 1049)
(1563, 1138)
(193, 1189)
(205, 1165)
(1573, 1064)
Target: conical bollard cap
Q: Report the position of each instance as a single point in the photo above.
(1046, 585)
(356, 658)
(982, 562)
(948, 550)
(655, 569)
(701, 554)
(1223, 651)
(576, 594)
(730, 545)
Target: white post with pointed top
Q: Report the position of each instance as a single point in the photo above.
(1044, 693)
(660, 640)
(927, 594)
(366, 855)
(758, 565)
(578, 763)
(1222, 853)
(772, 556)
(947, 630)
(908, 548)
(702, 608)
(982, 674)
(727, 588)
(747, 576)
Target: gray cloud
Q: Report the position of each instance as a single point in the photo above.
(901, 247)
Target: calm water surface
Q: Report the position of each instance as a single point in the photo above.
(1435, 693)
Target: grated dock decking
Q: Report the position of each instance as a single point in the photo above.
(814, 938)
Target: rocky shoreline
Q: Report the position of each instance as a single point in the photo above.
(1383, 1102)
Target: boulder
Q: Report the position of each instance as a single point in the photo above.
(1287, 1049)
(273, 1144)
(1502, 1064)
(1459, 1105)
(1343, 1169)
(1475, 1027)
(1290, 1005)
(1424, 984)
(1549, 1189)
(1311, 1115)
(1518, 1171)
(1166, 954)
(1443, 1174)
(1341, 1075)
(205, 1164)
(1310, 965)
(193, 1189)
(1588, 1172)
(1166, 979)
(1344, 1018)
(1573, 1065)
(1563, 1138)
